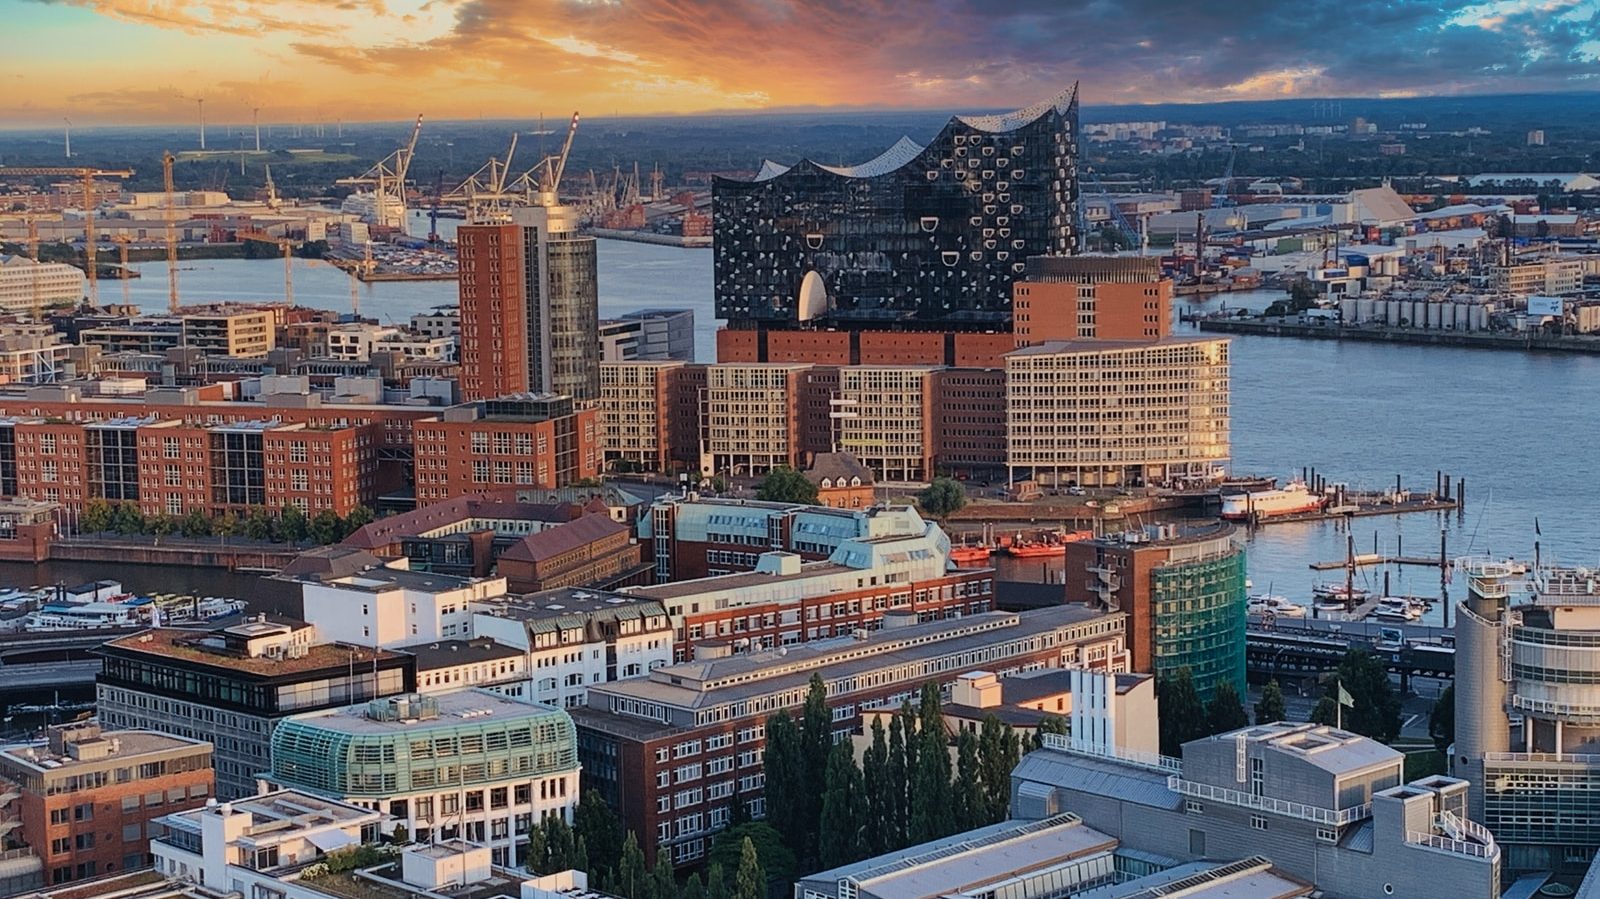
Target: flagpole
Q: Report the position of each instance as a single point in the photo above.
(1338, 702)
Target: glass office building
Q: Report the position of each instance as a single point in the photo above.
(921, 237)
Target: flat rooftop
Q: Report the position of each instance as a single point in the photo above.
(121, 745)
(206, 649)
(738, 581)
(1051, 347)
(282, 812)
(382, 580)
(450, 653)
(971, 862)
(565, 601)
(454, 708)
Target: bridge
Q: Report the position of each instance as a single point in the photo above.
(52, 660)
(1311, 647)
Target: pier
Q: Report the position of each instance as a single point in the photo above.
(1487, 340)
(1314, 647)
(1369, 559)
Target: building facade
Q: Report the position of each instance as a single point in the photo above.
(465, 764)
(522, 440)
(639, 408)
(1092, 298)
(529, 307)
(752, 418)
(234, 685)
(887, 420)
(23, 282)
(1528, 712)
(1184, 592)
(240, 332)
(920, 238)
(1117, 413)
(88, 795)
(669, 751)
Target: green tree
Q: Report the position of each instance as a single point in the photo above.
(633, 878)
(785, 485)
(97, 518)
(693, 888)
(195, 524)
(776, 857)
(1376, 709)
(293, 527)
(226, 525)
(749, 880)
(716, 882)
(896, 788)
(843, 818)
(538, 854)
(931, 800)
(597, 828)
(1182, 714)
(1225, 712)
(971, 807)
(997, 753)
(258, 526)
(127, 520)
(913, 751)
(1442, 720)
(788, 789)
(663, 885)
(359, 517)
(816, 747)
(942, 498)
(875, 776)
(161, 525)
(1270, 708)
(1049, 724)
(324, 528)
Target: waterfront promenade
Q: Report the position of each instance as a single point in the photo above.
(1488, 340)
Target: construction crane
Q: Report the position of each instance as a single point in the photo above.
(122, 241)
(88, 175)
(169, 214)
(387, 178)
(1226, 199)
(284, 244)
(1129, 232)
(433, 214)
(272, 191)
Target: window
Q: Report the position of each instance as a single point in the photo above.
(1327, 835)
(1258, 822)
(297, 451)
(1193, 807)
(1257, 777)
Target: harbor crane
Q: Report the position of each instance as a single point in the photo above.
(541, 185)
(1133, 236)
(282, 243)
(387, 179)
(88, 175)
(484, 192)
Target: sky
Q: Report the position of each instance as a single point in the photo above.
(151, 61)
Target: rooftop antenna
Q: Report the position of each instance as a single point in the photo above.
(69, 135)
(201, 102)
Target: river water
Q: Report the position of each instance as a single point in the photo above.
(1521, 428)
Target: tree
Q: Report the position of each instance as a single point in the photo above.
(324, 528)
(538, 856)
(226, 525)
(998, 755)
(1225, 712)
(127, 520)
(598, 832)
(292, 525)
(785, 485)
(896, 788)
(195, 524)
(1049, 724)
(716, 882)
(258, 526)
(1271, 708)
(843, 817)
(776, 857)
(749, 881)
(1442, 720)
(693, 888)
(663, 885)
(161, 525)
(942, 498)
(816, 748)
(931, 800)
(1182, 714)
(788, 804)
(359, 517)
(97, 517)
(633, 879)
(1375, 711)
(875, 776)
(971, 806)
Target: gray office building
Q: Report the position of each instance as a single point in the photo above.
(1528, 712)
(1327, 807)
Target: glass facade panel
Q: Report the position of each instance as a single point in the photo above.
(1199, 616)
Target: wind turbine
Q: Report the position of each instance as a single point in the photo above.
(69, 135)
(201, 102)
(255, 119)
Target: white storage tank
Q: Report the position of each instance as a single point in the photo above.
(1436, 316)
(1366, 309)
(1347, 309)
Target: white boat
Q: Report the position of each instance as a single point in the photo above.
(365, 205)
(62, 616)
(1267, 604)
(1287, 500)
(1396, 608)
(1339, 593)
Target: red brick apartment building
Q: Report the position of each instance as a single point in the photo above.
(88, 796)
(523, 440)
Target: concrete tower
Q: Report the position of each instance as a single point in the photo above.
(1481, 723)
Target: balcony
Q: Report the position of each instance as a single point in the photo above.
(1318, 814)
(1457, 835)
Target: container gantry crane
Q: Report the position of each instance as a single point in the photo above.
(88, 175)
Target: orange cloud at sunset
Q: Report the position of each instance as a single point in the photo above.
(140, 61)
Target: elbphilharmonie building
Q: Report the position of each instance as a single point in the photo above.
(919, 238)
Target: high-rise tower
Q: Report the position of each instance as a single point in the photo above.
(529, 306)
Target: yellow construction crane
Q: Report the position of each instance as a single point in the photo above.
(284, 244)
(88, 175)
(122, 241)
(169, 212)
